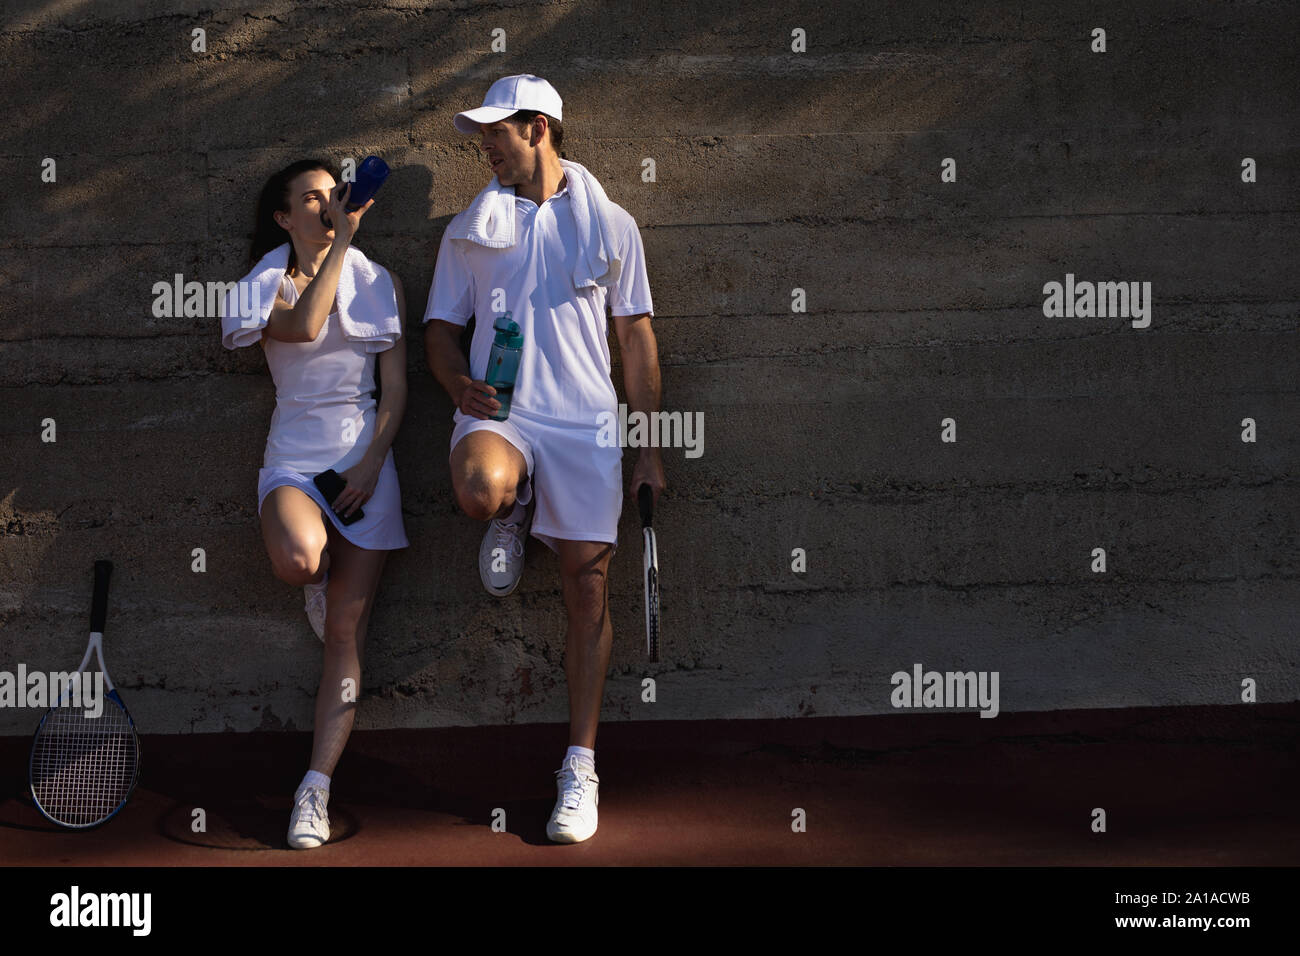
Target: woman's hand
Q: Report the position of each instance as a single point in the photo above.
(345, 222)
(361, 479)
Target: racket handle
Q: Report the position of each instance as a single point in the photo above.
(99, 606)
(645, 499)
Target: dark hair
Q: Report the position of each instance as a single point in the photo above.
(267, 233)
(524, 118)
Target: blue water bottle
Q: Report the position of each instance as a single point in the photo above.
(503, 363)
(370, 176)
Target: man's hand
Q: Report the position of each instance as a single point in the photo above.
(476, 398)
(649, 470)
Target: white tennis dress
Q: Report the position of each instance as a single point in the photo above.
(325, 414)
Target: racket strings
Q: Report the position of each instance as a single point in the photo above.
(83, 767)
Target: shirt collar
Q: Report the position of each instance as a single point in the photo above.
(564, 188)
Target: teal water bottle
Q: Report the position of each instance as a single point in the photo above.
(503, 363)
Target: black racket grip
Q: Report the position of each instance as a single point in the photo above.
(99, 605)
(645, 499)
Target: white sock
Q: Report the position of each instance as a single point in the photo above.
(583, 754)
(314, 779)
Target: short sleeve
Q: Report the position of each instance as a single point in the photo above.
(631, 294)
(451, 296)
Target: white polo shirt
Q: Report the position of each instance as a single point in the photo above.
(564, 367)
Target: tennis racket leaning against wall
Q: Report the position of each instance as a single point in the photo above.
(83, 769)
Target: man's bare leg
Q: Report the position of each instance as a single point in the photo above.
(486, 475)
(584, 570)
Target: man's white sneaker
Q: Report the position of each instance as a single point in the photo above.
(309, 825)
(503, 549)
(315, 606)
(574, 817)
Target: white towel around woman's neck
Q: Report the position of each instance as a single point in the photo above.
(491, 222)
(366, 297)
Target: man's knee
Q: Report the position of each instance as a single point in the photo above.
(484, 490)
(586, 582)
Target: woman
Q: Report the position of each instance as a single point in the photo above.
(326, 418)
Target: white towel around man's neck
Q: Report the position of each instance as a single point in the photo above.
(490, 221)
(366, 297)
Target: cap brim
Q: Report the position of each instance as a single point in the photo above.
(468, 122)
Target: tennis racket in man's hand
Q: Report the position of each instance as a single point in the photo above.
(650, 569)
(83, 769)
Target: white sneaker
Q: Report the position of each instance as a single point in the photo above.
(309, 826)
(315, 606)
(510, 539)
(574, 817)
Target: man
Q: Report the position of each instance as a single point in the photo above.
(543, 242)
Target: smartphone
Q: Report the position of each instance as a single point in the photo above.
(331, 485)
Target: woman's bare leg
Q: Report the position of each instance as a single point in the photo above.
(354, 579)
(293, 529)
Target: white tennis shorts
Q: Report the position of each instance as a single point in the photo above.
(577, 483)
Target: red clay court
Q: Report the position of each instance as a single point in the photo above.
(1186, 786)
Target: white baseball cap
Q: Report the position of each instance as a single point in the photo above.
(523, 91)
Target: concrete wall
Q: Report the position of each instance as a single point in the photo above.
(775, 170)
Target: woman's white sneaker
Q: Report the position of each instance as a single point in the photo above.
(309, 824)
(501, 555)
(315, 606)
(574, 817)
